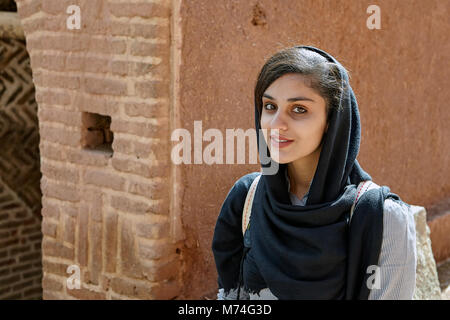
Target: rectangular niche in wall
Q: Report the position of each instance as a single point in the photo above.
(96, 133)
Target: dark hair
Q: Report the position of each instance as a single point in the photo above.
(322, 75)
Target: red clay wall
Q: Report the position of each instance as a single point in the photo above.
(116, 214)
(396, 73)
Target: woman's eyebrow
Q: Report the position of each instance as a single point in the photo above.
(290, 99)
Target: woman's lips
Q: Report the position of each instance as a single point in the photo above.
(280, 144)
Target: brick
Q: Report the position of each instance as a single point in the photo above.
(145, 30)
(52, 97)
(105, 86)
(144, 10)
(7, 262)
(35, 237)
(52, 284)
(162, 269)
(57, 268)
(67, 117)
(148, 110)
(51, 80)
(120, 67)
(22, 285)
(9, 280)
(104, 179)
(69, 229)
(49, 210)
(105, 282)
(4, 291)
(32, 292)
(53, 7)
(88, 157)
(130, 166)
(93, 203)
(86, 294)
(111, 235)
(49, 228)
(14, 250)
(152, 89)
(124, 287)
(129, 263)
(143, 290)
(59, 191)
(95, 259)
(142, 129)
(10, 224)
(60, 135)
(166, 290)
(70, 42)
(59, 173)
(48, 61)
(103, 105)
(91, 64)
(145, 49)
(153, 190)
(132, 147)
(106, 45)
(44, 24)
(156, 249)
(4, 272)
(28, 8)
(30, 256)
(31, 230)
(139, 69)
(70, 209)
(82, 248)
(131, 206)
(14, 296)
(48, 151)
(32, 273)
(23, 267)
(56, 249)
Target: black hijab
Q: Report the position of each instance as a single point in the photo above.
(310, 251)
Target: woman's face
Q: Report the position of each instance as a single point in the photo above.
(299, 113)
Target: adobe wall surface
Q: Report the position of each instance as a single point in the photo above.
(396, 74)
(115, 210)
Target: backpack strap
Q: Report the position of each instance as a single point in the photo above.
(247, 211)
(362, 187)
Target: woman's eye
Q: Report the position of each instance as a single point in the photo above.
(267, 104)
(300, 108)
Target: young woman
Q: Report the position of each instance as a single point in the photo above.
(301, 242)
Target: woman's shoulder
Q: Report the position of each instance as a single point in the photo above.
(394, 207)
(398, 215)
(240, 188)
(245, 181)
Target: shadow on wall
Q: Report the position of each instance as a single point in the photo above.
(20, 194)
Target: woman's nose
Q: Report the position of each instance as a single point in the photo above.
(278, 122)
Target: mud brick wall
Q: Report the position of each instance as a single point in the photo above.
(20, 205)
(104, 99)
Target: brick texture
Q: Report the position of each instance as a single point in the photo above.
(20, 205)
(105, 212)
